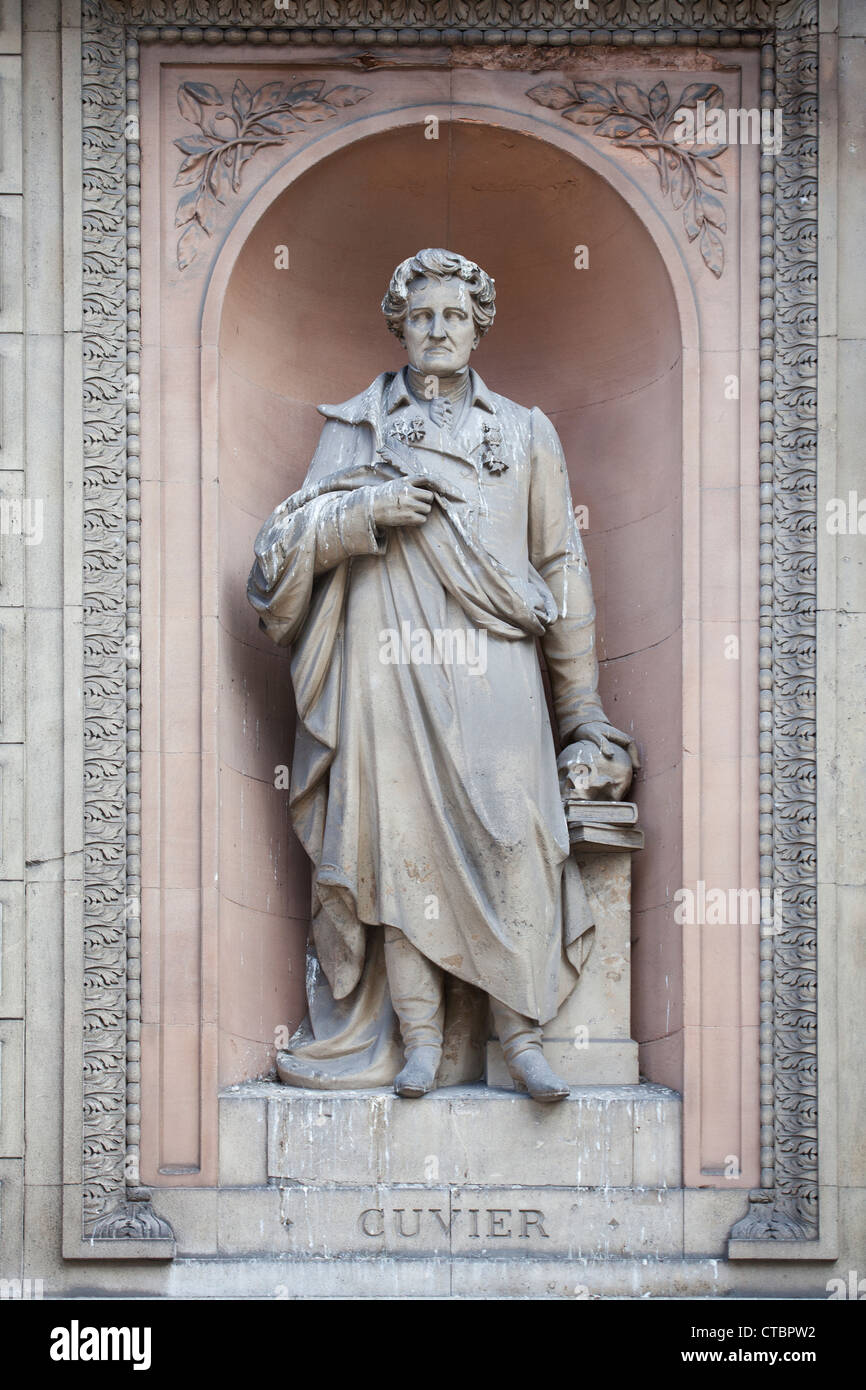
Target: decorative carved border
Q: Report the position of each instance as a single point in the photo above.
(786, 1206)
(115, 1209)
(114, 1206)
(481, 20)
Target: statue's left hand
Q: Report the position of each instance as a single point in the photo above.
(602, 734)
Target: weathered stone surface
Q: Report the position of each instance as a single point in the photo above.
(12, 301)
(657, 1149)
(11, 401)
(11, 950)
(10, 144)
(192, 1214)
(242, 1140)
(248, 1222)
(10, 28)
(708, 1215)
(472, 1135)
(436, 1221)
(11, 1217)
(11, 1088)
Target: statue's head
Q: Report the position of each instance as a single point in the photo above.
(439, 305)
(587, 774)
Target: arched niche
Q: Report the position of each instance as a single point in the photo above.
(599, 349)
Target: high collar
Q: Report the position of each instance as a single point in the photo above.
(397, 392)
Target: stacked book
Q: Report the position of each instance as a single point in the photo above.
(603, 826)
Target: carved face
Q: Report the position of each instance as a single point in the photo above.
(439, 330)
(587, 774)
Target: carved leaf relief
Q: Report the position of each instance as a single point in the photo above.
(650, 122)
(228, 133)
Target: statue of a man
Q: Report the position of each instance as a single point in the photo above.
(432, 543)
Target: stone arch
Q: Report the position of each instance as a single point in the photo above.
(609, 355)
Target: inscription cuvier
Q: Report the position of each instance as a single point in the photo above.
(477, 1222)
(415, 1220)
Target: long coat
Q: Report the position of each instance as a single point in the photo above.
(424, 781)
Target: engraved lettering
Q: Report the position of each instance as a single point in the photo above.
(399, 1212)
(372, 1211)
(495, 1221)
(531, 1217)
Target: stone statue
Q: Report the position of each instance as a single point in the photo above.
(432, 543)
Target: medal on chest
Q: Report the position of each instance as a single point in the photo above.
(412, 430)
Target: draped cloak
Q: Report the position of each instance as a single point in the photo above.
(424, 783)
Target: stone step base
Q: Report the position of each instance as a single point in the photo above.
(601, 1136)
(439, 1241)
(382, 1278)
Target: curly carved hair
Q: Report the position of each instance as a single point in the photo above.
(434, 263)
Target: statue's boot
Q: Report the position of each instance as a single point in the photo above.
(532, 1070)
(417, 989)
(521, 1044)
(419, 1074)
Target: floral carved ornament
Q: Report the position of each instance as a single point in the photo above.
(650, 122)
(229, 132)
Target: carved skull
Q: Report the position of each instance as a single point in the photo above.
(587, 774)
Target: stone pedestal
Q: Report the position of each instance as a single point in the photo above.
(478, 1170)
(589, 1042)
(467, 1171)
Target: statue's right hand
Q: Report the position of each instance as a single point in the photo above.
(402, 502)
